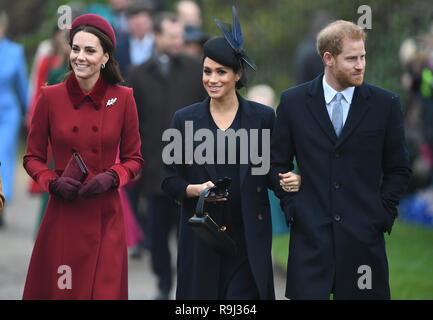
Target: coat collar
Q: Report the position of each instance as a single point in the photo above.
(77, 95)
(153, 66)
(317, 105)
(330, 92)
(246, 109)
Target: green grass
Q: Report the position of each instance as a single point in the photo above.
(410, 257)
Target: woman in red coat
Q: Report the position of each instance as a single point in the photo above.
(80, 251)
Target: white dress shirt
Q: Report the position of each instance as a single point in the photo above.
(330, 93)
(141, 50)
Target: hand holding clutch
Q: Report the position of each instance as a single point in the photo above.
(76, 168)
(65, 188)
(99, 184)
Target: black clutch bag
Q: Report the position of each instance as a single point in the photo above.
(209, 231)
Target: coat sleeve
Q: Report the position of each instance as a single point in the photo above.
(270, 124)
(173, 183)
(130, 157)
(35, 159)
(282, 152)
(395, 161)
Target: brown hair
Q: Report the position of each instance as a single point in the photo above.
(160, 18)
(111, 72)
(330, 38)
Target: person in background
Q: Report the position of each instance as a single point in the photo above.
(307, 64)
(416, 58)
(119, 8)
(162, 85)
(193, 40)
(56, 57)
(44, 50)
(80, 250)
(189, 13)
(13, 105)
(136, 46)
(2, 197)
(101, 9)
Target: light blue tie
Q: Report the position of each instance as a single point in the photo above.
(337, 114)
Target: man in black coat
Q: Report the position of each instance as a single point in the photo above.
(162, 85)
(348, 140)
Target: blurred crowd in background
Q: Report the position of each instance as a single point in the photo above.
(416, 58)
(141, 37)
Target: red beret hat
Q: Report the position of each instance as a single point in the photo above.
(96, 21)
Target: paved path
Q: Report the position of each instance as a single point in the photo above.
(16, 243)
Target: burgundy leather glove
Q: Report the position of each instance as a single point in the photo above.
(65, 188)
(99, 184)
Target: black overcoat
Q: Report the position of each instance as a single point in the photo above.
(350, 189)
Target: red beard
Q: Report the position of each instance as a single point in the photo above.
(346, 80)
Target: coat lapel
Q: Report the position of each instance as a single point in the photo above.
(317, 106)
(249, 120)
(358, 109)
(201, 120)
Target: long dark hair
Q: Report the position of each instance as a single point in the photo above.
(111, 72)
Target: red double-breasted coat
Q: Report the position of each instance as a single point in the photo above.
(80, 251)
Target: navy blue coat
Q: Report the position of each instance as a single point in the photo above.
(122, 53)
(350, 189)
(198, 266)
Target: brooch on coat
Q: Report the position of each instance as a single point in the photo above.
(111, 102)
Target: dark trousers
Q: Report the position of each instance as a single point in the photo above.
(161, 219)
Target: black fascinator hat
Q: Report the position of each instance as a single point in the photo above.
(229, 52)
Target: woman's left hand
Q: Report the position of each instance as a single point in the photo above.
(290, 182)
(99, 184)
